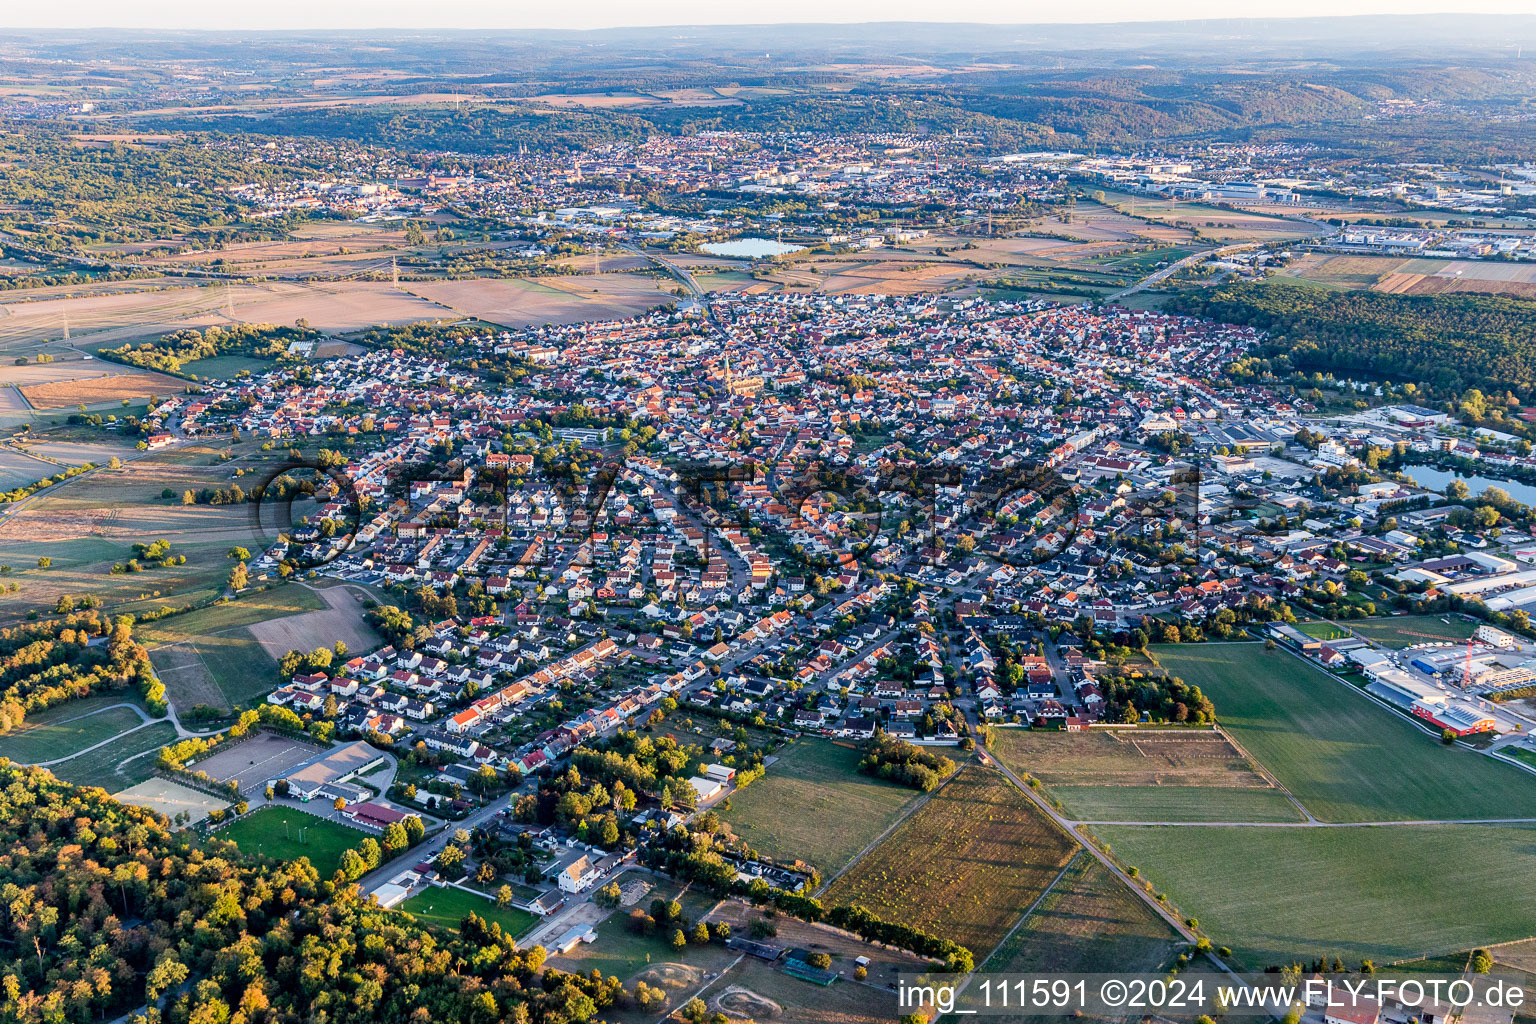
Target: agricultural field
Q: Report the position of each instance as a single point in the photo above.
(67, 729)
(212, 656)
(1145, 775)
(1343, 272)
(222, 367)
(1407, 630)
(1401, 275)
(445, 907)
(90, 523)
(521, 302)
(18, 469)
(1215, 223)
(812, 805)
(339, 617)
(963, 866)
(1343, 756)
(97, 390)
(284, 833)
(1095, 222)
(125, 762)
(1088, 922)
(106, 317)
(1383, 892)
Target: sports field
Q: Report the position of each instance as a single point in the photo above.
(1407, 630)
(283, 833)
(1274, 894)
(251, 762)
(964, 866)
(445, 907)
(171, 798)
(1145, 775)
(1345, 757)
(1088, 922)
(1323, 630)
(812, 805)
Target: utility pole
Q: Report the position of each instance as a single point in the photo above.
(394, 272)
(229, 301)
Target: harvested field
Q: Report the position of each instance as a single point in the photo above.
(519, 302)
(106, 319)
(59, 369)
(1092, 222)
(1129, 757)
(214, 656)
(1216, 223)
(17, 468)
(113, 387)
(171, 798)
(341, 619)
(250, 763)
(187, 678)
(1146, 775)
(963, 866)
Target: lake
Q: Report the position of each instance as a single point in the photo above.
(1437, 479)
(751, 248)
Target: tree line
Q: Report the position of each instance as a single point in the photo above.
(1446, 343)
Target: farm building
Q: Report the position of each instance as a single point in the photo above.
(325, 772)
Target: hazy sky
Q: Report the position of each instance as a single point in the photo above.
(582, 14)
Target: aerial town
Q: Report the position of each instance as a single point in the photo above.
(623, 544)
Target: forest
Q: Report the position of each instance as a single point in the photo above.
(105, 910)
(997, 110)
(171, 353)
(64, 194)
(47, 663)
(1445, 343)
